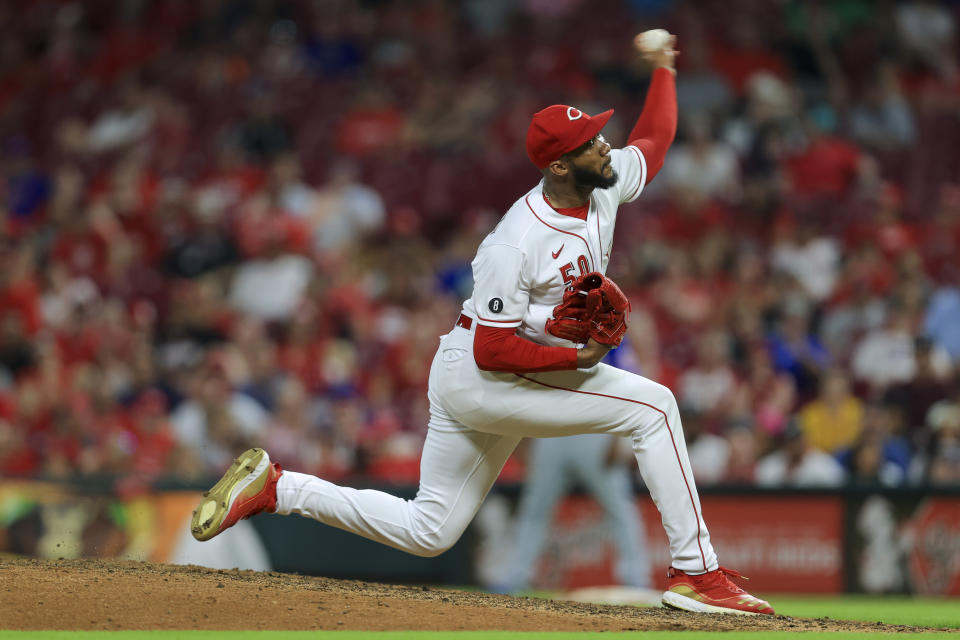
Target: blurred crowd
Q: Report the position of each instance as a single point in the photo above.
(235, 223)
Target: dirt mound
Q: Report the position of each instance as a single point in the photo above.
(97, 594)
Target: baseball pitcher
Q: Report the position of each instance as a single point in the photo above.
(523, 361)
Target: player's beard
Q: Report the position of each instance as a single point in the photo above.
(593, 179)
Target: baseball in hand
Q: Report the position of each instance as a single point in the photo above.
(653, 40)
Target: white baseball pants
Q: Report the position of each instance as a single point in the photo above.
(476, 420)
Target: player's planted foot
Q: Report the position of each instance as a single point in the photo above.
(248, 487)
(711, 592)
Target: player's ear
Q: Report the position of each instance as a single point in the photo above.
(558, 167)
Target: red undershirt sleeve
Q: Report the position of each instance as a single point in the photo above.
(657, 125)
(501, 349)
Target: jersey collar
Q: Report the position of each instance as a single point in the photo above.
(543, 205)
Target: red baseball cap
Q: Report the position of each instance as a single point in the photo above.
(559, 129)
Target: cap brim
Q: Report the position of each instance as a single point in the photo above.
(597, 123)
(601, 119)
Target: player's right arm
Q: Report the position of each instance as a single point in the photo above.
(656, 127)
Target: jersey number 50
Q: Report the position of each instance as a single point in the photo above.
(566, 270)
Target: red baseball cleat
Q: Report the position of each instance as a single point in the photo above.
(711, 592)
(248, 487)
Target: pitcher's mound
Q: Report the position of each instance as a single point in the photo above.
(98, 594)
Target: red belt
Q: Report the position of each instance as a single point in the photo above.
(465, 321)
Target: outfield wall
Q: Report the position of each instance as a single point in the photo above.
(857, 540)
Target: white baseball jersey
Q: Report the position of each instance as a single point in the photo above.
(523, 266)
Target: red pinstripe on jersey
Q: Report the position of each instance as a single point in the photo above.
(569, 233)
(676, 452)
(600, 242)
(643, 167)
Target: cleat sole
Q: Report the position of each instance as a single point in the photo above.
(673, 600)
(208, 518)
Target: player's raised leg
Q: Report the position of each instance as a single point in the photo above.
(457, 468)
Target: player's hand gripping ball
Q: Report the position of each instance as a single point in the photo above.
(593, 306)
(653, 40)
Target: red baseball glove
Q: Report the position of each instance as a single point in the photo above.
(569, 319)
(593, 306)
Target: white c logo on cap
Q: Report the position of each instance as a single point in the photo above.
(571, 111)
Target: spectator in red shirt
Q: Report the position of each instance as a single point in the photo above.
(80, 244)
(940, 236)
(745, 52)
(829, 167)
(154, 439)
(17, 456)
(19, 288)
(373, 124)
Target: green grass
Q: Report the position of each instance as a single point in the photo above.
(910, 610)
(440, 635)
(927, 612)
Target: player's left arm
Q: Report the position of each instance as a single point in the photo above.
(656, 127)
